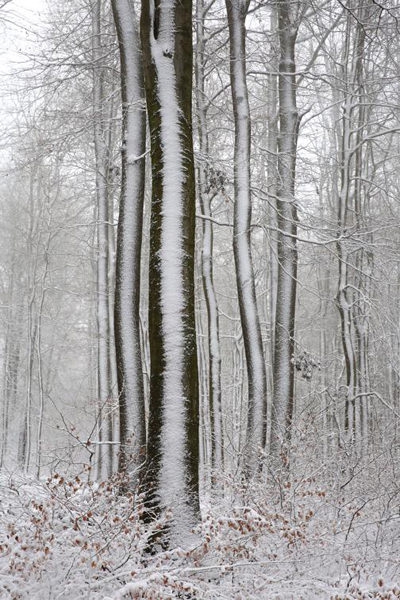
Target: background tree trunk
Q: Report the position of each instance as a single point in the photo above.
(256, 371)
(283, 369)
(127, 298)
(102, 158)
(207, 192)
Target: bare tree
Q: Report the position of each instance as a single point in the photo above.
(208, 186)
(104, 290)
(173, 436)
(256, 372)
(283, 369)
(127, 300)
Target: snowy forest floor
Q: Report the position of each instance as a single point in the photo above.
(69, 539)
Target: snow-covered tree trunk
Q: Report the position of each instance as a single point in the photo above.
(256, 371)
(39, 349)
(127, 295)
(272, 183)
(103, 289)
(342, 296)
(205, 195)
(113, 421)
(355, 261)
(283, 369)
(173, 431)
(25, 442)
(364, 257)
(11, 357)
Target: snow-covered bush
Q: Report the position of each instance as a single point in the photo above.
(69, 538)
(293, 540)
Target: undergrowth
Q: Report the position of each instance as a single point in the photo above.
(69, 538)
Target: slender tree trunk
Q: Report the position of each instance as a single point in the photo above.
(113, 415)
(238, 375)
(205, 452)
(11, 359)
(206, 195)
(25, 439)
(256, 372)
(102, 181)
(283, 397)
(5, 411)
(363, 258)
(129, 243)
(173, 432)
(272, 186)
(38, 340)
(32, 250)
(353, 267)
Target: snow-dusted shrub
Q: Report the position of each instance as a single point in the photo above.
(69, 539)
(379, 592)
(288, 540)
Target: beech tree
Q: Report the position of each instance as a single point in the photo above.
(208, 188)
(355, 261)
(102, 133)
(173, 435)
(132, 422)
(283, 395)
(256, 373)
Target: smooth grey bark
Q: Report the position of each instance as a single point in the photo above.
(38, 345)
(283, 368)
(113, 417)
(102, 159)
(272, 184)
(256, 371)
(206, 194)
(32, 252)
(355, 263)
(12, 355)
(129, 243)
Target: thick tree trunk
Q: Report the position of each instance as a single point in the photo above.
(256, 371)
(173, 432)
(127, 295)
(283, 397)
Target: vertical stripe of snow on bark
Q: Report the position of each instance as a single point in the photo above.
(172, 475)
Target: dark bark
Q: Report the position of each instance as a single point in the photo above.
(170, 49)
(129, 242)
